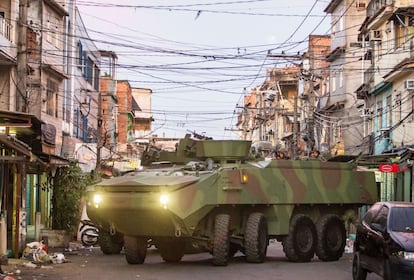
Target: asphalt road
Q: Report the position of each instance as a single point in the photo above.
(91, 264)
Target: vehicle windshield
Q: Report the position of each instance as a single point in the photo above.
(401, 219)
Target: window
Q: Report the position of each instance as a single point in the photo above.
(85, 64)
(389, 111)
(397, 112)
(341, 77)
(399, 31)
(372, 212)
(80, 54)
(333, 86)
(378, 49)
(2, 23)
(379, 114)
(96, 78)
(333, 31)
(401, 219)
(89, 70)
(52, 98)
(382, 217)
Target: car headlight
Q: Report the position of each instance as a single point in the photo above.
(164, 199)
(97, 199)
(409, 256)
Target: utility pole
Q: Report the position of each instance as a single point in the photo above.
(22, 102)
(99, 136)
(295, 128)
(261, 111)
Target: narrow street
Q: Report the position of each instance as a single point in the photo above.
(90, 263)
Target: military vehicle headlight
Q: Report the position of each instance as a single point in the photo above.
(97, 199)
(164, 199)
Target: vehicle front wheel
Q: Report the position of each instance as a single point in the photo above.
(358, 272)
(255, 238)
(110, 244)
(171, 250)
(221, 240)
(135, 249)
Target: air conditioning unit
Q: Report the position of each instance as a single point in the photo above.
(409, 84)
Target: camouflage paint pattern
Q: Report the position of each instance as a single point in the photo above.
(278, 188)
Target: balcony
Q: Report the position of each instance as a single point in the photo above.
(5, 28)
(378, 12)
(375, 6)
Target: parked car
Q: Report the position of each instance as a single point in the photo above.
(384, 242)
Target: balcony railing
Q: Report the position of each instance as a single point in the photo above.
(375, 5)
(5, 28)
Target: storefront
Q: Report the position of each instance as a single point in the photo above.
(27, 164)
(394, 173)
(17, 163)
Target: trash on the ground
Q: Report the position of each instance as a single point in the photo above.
(58, 258)
(46, 266)
(37, 252)
(37, 244)
(349, 246)
(73, 246)
(29, 264)
(8, 277)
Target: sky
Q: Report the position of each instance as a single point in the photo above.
(199, 57)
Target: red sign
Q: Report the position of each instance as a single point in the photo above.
(391, 168)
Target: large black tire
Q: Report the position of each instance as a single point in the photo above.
(110, 244)
(171, 250)
(255, 238)
(299, 245)
(135, 249)
(358, 272)
(331, 238)
(221, 240)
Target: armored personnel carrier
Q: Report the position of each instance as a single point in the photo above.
(213, 199)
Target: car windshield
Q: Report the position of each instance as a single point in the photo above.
(401, 219)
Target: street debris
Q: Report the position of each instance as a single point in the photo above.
(37, 253)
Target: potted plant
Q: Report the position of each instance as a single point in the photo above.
(68, 187)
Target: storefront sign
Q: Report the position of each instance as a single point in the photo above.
(390, 168)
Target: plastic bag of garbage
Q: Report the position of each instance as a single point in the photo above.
(58, 258)
(37, 244)
(35, 251)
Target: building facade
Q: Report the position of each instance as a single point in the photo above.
(341, 108)
(387, 90)
(32, 52)
(142, 114)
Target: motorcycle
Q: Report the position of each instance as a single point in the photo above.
(89, 233)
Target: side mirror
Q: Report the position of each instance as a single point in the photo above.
(378, 227)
